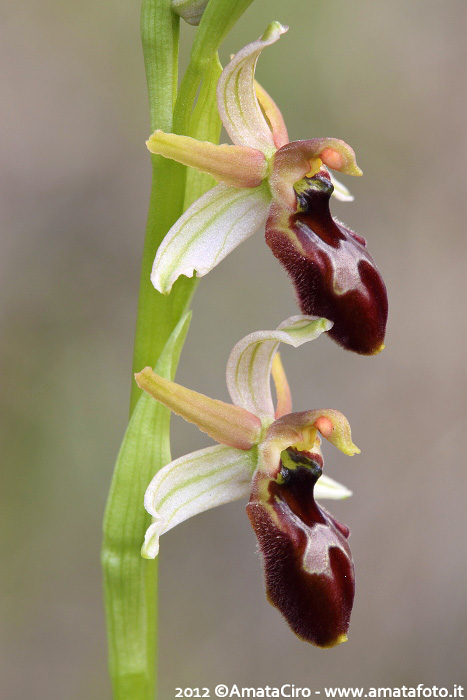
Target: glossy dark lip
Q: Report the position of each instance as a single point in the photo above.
(322, 245)
(308, 565)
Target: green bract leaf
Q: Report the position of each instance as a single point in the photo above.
(192, 484)
(129, 581)
(249, 365)
(205, 125)
(208, 231)
(236, 97)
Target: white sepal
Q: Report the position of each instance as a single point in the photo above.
(340, 191)
(208, 231)
(236, 97)
(328, 488)
(249, 364)
(192, 484)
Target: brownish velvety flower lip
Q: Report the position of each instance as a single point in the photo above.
(333, 273)
(307, 561)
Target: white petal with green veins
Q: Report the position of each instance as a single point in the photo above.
(192, 484)
(208, 231)
(249, 365)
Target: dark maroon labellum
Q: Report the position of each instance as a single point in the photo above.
(334, 275)
(307, 561)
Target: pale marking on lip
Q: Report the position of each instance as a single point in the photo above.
(345, 261)
(320, 539)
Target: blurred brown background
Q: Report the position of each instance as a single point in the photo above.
(388, 77)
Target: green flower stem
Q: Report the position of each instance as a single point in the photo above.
(130, 582)
(156, 314)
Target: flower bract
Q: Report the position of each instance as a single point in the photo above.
(190, 10)
(273, 456)
(265, 181)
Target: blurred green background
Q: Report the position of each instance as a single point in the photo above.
(388, 77)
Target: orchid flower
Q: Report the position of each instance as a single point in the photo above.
(273, 456)
(265, 181)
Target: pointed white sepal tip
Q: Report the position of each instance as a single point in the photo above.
(164, 283)
(342, 197)
(274, 31)
(162, 287)
(150, 548)
(312, 326)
